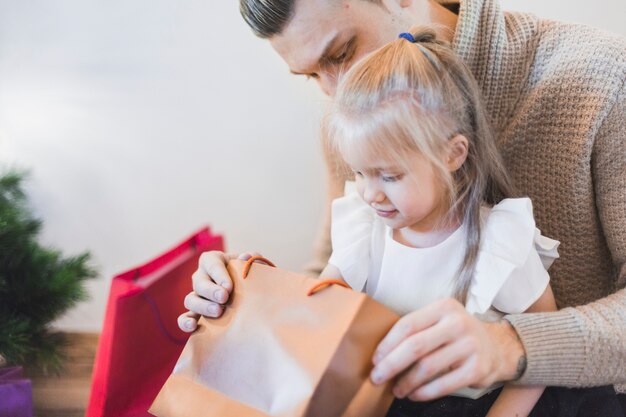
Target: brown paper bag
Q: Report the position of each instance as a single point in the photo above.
(278, 352)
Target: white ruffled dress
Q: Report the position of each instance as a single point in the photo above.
(510, 274)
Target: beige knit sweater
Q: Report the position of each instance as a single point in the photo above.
(557, 96)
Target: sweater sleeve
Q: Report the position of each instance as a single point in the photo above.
(337, 173)
(586, 345)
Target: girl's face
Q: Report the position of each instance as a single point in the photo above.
(404, 198)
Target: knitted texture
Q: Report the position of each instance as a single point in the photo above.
(557, 98)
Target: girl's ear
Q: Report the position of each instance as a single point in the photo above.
(457, 152)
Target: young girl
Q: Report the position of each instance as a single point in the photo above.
(432, 215)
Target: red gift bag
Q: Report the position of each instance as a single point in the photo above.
(140, 340)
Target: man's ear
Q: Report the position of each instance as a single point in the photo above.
(457, 152)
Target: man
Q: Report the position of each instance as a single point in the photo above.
(557, 97)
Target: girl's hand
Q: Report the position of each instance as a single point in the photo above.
(441, 348)
(211, 288)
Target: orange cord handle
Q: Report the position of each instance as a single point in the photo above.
(325, 283)
(249, 262)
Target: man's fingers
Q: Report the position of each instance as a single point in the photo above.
(188, 321)
(203, 306)
(445, 384)
(413, 323)
(410, 350)
(438, 363)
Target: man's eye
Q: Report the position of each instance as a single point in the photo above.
(346, 53)
(340, 58)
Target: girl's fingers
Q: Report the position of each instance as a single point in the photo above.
(188, 321)
(202, 306)
(204, 287)
(247, 255)
(212, 268)
(212, 280)
(212, 283)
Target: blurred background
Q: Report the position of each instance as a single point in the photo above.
(140, 121)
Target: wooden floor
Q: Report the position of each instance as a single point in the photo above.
(67, 395)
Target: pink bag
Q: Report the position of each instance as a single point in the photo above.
(140, 339)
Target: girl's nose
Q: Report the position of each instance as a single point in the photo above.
(372, 193)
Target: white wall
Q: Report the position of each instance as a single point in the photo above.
(606, 14)
(141, 121)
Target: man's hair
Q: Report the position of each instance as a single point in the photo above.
(269, 17)
(266, 17)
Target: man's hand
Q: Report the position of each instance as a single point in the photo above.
(211, 288)
(441, 348)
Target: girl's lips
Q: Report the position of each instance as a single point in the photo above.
(386, 213)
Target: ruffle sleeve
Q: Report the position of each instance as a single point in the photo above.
(511, 269)
(351, 236)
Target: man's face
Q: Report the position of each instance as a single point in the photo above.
(325, 37)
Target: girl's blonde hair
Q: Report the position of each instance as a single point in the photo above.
(414, 97)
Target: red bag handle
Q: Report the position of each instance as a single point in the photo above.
(326, 283)
(249, 262)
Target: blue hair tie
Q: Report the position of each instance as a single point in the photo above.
(411, 38)
(407, 36)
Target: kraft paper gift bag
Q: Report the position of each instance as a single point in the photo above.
(140, 340)
(277, 351)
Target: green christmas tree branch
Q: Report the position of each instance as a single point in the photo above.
(37, 284)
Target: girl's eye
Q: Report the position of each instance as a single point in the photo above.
(391, 178)
(358, 173)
